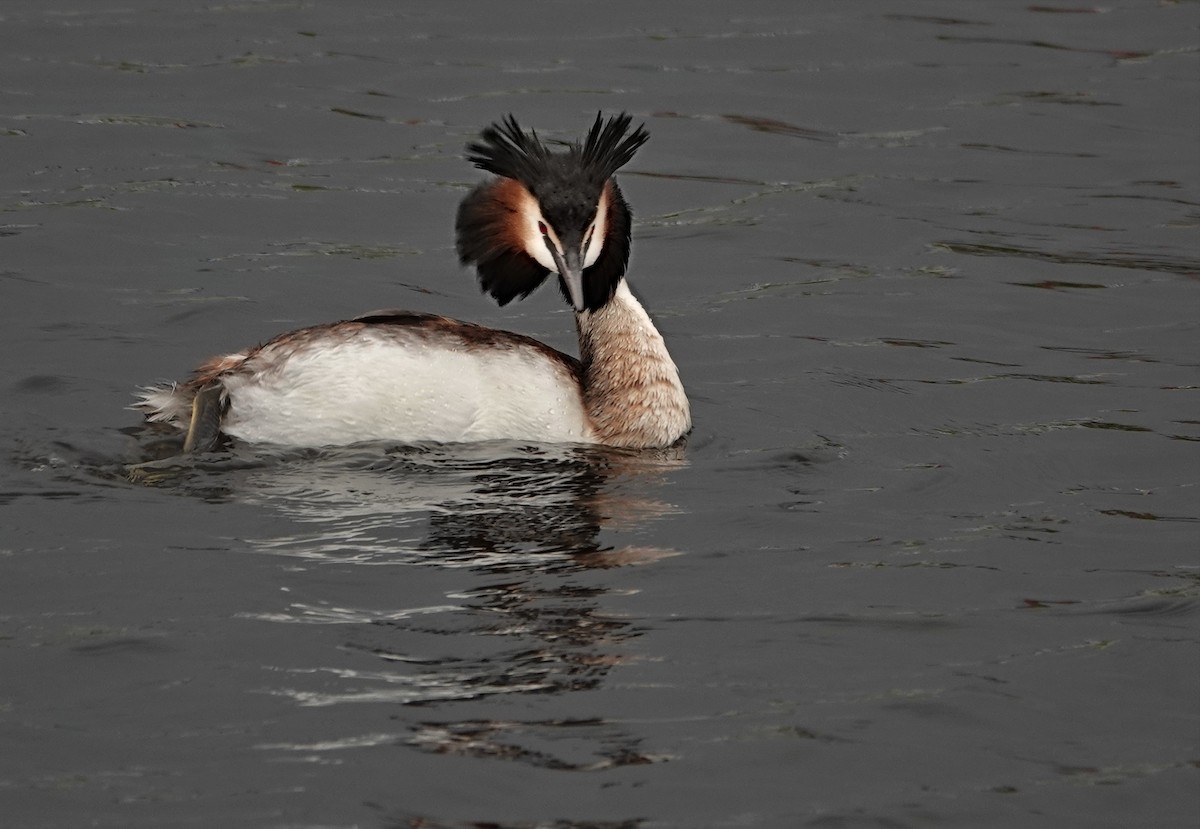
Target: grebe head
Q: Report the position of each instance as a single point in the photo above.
(549, 212)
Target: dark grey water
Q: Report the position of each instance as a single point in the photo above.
(930, 558)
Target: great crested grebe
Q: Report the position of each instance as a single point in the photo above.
(410, 377)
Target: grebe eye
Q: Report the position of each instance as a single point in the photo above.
(542, 229)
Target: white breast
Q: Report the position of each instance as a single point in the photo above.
(378, 387)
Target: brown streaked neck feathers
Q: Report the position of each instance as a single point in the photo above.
(631, 386)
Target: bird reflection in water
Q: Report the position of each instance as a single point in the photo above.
(526, 526)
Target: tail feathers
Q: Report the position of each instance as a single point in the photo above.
(172, 402)
(166, 403)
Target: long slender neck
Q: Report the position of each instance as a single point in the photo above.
(631, 386)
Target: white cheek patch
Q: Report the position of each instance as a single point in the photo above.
(539, 251)
(599, 230)
(531, 236)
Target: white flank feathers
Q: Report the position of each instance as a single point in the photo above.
(380, 387)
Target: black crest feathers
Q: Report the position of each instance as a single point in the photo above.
(507, 150)
(607, 148)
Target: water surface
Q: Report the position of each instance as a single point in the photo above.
(929, 557)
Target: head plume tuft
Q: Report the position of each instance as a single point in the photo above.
(506, 150)
(607, 148)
